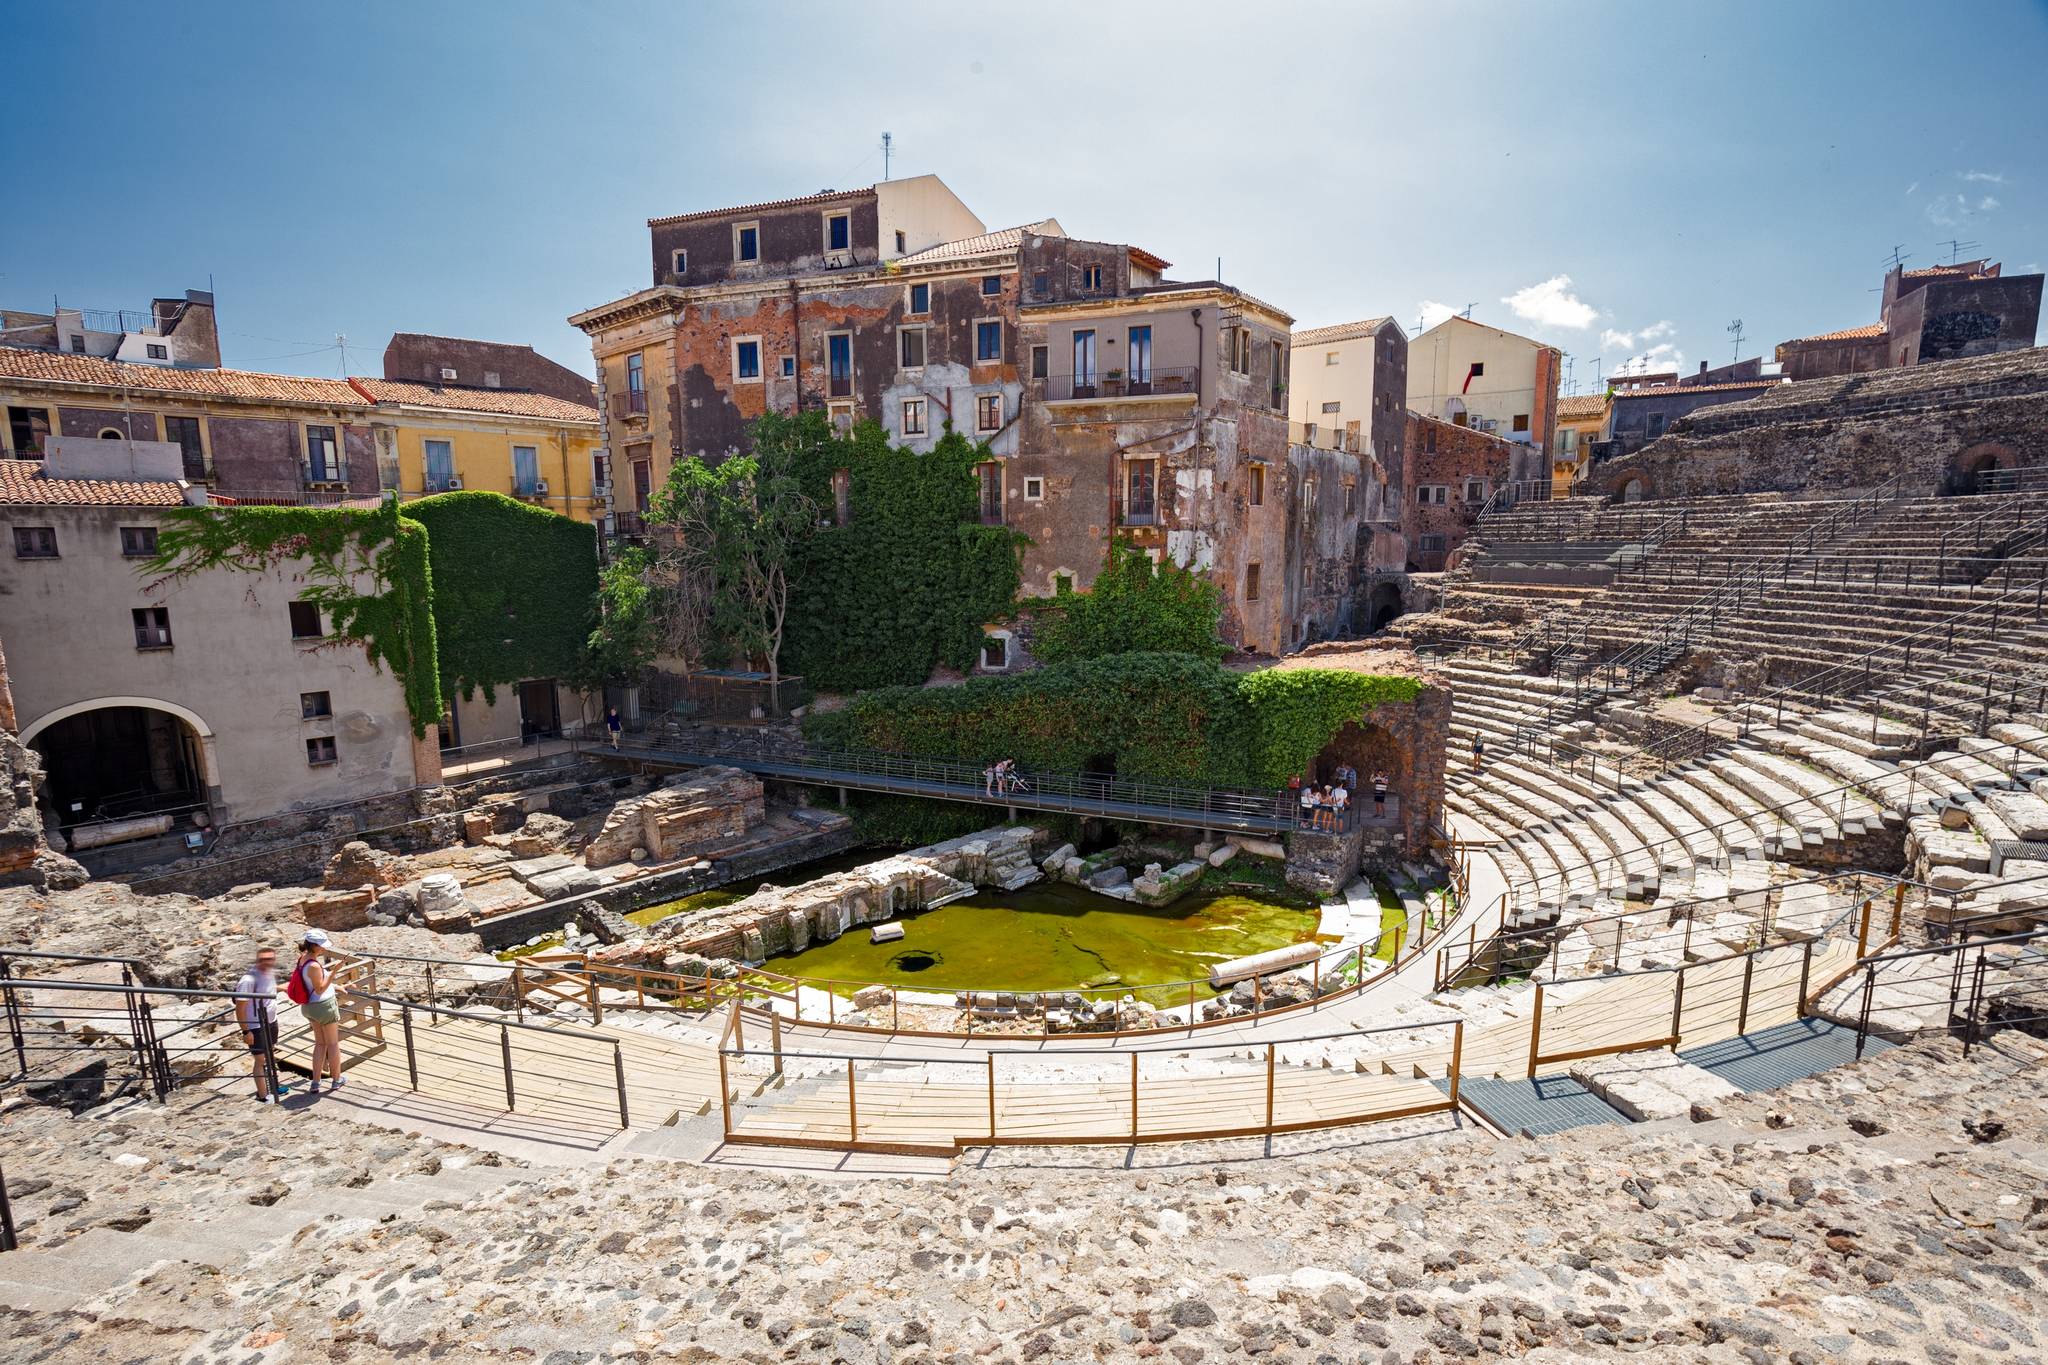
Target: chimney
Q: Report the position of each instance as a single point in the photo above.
(1703, 367)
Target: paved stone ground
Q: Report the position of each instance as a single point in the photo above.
(1896, 1210)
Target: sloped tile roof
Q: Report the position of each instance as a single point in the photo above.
(500, 402)
(1666, 390)
(821, 197)
(1008, 239)
(1343, 331)
(62, 367)
(22, 483)
(1875, 329)
(1582, 405)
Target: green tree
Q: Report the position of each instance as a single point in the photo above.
(728, 536)
(1134, 606)
(626, 637)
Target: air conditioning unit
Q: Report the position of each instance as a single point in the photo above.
(600, 489)
(540, 488)
(454, 485)
(447, 374)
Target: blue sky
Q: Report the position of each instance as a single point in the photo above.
(1612, 178)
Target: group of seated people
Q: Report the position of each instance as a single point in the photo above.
(1326, 807)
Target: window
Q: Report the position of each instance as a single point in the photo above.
(323, 456)
(1138, 355)
(1475, 490)
(1091, 277)
(319, 751)
(78, 343)
(991, 475)
(1308, 496)
(789, 367)
(1478, 370)
(988, 412)
(1432, 494)
(1333, 407)
(1041, 285)
(1039, 362)
(746, 242)
(35, 542)
(152, 627)
(315, 705)
(1241, 350)
(902, 243)
(1255, 488)
(838, 232)
(1251, 582)
(440, 465)
(910, 346)
(642, 460)
(1034, 488)
(183, 432)
(1062, 584)
(746, 358)
(138, 542)
(991, 285)
(526, 471)
(679, 262)
(1431, 541)
(995, 651)
(27, 429)
(1141, 492)
(839, 364)
(1084, 363)
(1329, 357)
(636, 374)
(841, 415)
(1655, 426)
(913, 417)
(305, 620)
(1521, 422)
(113, 434)
(920, 299)
(600, 468)
(157, 352)
(988, 340)
(1350, 496)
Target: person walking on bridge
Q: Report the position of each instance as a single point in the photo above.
(256, 1010)
(612, 724)
(1379, 795)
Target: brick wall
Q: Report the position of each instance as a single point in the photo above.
(1444, 454)
(419, 358)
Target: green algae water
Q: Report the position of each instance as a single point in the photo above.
(1055, 937)
(794, 875)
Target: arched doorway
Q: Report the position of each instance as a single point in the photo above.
(119, 757)
(1382, 607)
(1968, 470)
(1634, 488)
(1366, 750)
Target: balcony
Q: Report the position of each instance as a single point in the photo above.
(1151, 383)
(632, 403)
(1134, 511)
(839, 386)
(1323, 437)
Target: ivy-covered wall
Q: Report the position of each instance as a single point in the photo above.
(1174, 717)
(514, 589)
(907, 584)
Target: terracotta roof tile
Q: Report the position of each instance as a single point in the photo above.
(500, 402)
(1666, 390)
(1008, 239)
(1582, 405)
(1343, 331)
(61, 367)
(22, 483)
(1875, 329)
(821, 197)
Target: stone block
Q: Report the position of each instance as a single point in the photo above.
(1222, 855)
(357, 864)
(338, 910)
(570, 880)
(2025, 813)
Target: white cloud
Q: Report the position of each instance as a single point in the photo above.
(1552, 304)
(1612, 340)
(1912, 189)
(1433, 312)
(1986, 204)
(1984, 177)
(1663, 356)
(1955, 210)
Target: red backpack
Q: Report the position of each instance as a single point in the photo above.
(295, 987)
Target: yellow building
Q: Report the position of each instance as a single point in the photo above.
(1581, 420)
(540, 449)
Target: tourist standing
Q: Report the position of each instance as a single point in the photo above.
(988, 779)
(1379, 795)
(612, 724)
(1308, 805)
(1340, 803)
(316, 994)
(257, 1012)
(1478, 751)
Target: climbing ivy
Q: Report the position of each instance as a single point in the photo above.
(369, 571)
(1171, 717)
(1133, 605)
(910, 580)
(514, 589)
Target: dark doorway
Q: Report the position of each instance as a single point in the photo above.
(1382, 607)
(119, 761)
(540, 715)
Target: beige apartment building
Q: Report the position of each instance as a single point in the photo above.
(1472, 375)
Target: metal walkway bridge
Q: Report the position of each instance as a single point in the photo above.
(1161, 803)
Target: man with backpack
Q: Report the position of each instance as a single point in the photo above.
(256, 1010)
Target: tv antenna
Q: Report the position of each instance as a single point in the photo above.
(1957, 248)
(888, 147)
(1896, 259)
(1570, 385)
(1734, 329)
(1467, 314)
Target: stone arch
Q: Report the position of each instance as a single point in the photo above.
(1366, 748)
(1971, 463)
(1382, 606)
(185, 761)
(1634, 488)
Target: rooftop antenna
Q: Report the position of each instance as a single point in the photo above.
(1957, 248)
(341, 343)
(1570, 385)
(1735, 330)
(1467, 314)
(1598, 387)
(888, 146)
(1219, 270)
(1897, 259)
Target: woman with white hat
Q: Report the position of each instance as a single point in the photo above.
(314, 988)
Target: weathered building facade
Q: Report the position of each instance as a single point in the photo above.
(179, 333)
(1473, 375)
(1942, 312)
(1353, 378)
(436, 360)
(1455, 469)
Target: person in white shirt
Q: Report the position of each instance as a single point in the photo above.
(258, 1018)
